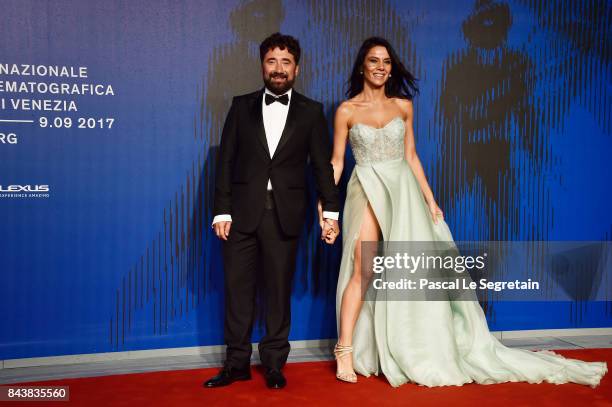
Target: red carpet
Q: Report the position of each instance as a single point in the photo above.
(314, 383)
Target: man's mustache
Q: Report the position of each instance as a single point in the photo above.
(278, 75)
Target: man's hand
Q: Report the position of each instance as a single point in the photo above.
(222, 229)
(320, 210)
(330, 231)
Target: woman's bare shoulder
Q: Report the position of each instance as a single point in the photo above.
(345, 110)
(405, 106)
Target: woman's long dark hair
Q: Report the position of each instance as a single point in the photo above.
(401, 84)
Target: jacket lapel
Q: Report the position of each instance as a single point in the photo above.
(291, 123)
(257, 120)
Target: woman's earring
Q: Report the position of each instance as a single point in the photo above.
(360, 72)
(389, 75)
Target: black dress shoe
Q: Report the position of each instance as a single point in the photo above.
(275, 379)
(227, 376)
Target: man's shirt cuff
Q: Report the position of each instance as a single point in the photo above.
(331, 215)
(222, 218)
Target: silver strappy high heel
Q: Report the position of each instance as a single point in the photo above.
(341, 351)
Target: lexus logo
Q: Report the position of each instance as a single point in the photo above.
(24, 188)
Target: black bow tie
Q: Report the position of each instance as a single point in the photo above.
(284, 99)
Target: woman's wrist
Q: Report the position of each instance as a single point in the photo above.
(429, 199)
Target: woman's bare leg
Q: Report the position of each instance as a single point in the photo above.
(352, 298)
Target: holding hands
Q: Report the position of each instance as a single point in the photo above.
(330, 229)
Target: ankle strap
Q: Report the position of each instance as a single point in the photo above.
(341, 350)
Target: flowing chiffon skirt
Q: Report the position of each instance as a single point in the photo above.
(431, 343)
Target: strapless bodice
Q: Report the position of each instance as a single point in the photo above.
(373, 145)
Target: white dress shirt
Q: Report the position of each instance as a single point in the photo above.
(274, 120)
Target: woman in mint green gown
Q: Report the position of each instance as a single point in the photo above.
(431, 343)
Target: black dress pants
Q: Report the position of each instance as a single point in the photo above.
(269, 248)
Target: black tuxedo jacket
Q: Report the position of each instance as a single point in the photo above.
(244, 164)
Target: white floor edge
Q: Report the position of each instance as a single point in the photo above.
(102, 364)
(216, 349)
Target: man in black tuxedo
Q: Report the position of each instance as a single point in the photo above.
(267, 139)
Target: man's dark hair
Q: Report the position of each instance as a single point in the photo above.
(278, 40)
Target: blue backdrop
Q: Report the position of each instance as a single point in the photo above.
(512, 125)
